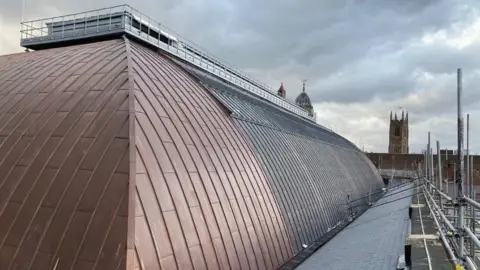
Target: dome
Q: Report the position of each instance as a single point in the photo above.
(303, 100)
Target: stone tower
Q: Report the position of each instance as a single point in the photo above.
(398, 136)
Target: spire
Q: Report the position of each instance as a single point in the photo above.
(281, 91)
(396, 117)
(391, 116)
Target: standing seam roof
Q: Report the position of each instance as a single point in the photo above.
(113, 157)
(246, 107)
(311, 170)
(63, 147)
(203, 158)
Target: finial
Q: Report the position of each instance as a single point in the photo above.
(391, 116)
(403, 115)
(304, 81)
(406, 119)
(396, 116)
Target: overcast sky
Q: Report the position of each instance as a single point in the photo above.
(362, 58)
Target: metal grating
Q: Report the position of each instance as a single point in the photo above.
(123, 19)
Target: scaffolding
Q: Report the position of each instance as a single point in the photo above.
(454, 212)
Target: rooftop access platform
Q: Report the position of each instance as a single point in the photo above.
(397, 232)
(121, 20)
(415, 225)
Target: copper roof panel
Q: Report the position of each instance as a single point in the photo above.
(194, 191)
(90, 120)
(52, 211)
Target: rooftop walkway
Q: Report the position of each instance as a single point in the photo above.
(428, 252)
(373, 241)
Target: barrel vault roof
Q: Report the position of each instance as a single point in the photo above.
(114, 157)
(312, 170)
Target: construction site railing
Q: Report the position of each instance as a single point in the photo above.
(472, 202)
(449, 231)
(438, 210)
(465, 242)
(472, 236)
(450, 252)
(441, 193)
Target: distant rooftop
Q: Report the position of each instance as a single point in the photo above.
(121, 20)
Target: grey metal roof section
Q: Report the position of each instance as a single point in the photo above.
(311, 169)
(311, 180)
(373, 241)
(255, 109)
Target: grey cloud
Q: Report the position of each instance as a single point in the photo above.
(359, 55)
(329, 39)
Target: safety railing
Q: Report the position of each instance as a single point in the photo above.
(453, 232)
(394, 173)
(125, 19)
(443, 237)
(456, 214)
(437, 210)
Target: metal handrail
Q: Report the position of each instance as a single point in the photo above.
(472, 236)
(467, 259)
(441, 193)
(471, 265)
(472, 202)
(442, 236)
(437, 209)
(32, 31)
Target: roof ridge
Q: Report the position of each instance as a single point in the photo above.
(130, 254)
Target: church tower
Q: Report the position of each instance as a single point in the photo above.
(398, 135)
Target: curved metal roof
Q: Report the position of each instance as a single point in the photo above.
(114, 156)
(312, 171)
(109, 153)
